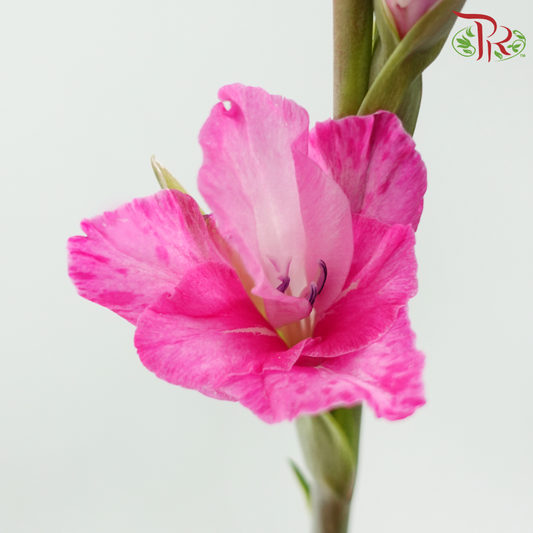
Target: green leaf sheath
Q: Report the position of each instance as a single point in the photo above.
(414, 53)
(327, 452)
(330, 444)
(410, 105)
(304, 484)
(387, 39)
(350, 422)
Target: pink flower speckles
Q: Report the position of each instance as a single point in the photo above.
(291, 298)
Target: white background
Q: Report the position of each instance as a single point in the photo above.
(93, 442)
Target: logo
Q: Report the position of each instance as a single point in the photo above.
(492, 40)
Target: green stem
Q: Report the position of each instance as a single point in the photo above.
(352, 49)
(330, 511)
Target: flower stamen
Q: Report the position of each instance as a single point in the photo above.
(311, 297)
(285, 282)
(322, 276)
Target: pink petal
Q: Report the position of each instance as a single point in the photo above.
(257, 179)
(248, 180)
(208, 330)
(406, 13)
(134, 254)
(375, 162)
(328, 228)
(385, 374)
(382, 279)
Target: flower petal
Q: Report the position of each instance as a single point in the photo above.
(375, 162)
(385, 374)
(134, 254)
(257, 179)
(208, 330)
(406, 13)
(382, 279)
(328, 228)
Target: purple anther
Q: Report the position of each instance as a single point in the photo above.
(285, 281)
(311, 297)
(322, 276)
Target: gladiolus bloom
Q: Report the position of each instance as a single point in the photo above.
(406, 13)
(291, 297)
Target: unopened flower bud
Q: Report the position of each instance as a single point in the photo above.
(406, 13)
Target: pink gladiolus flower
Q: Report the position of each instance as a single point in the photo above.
(291, 297)
(406, 13)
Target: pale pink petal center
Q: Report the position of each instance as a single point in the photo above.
(277, 208)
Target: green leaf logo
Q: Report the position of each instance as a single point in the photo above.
(462, 45)
(505, 48)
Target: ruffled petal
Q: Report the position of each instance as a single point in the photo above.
(134, 254)
(386, 375)
(375, 162)
(208, 330)
(256, 177)
(381, 280)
